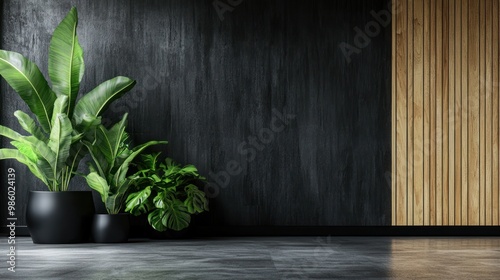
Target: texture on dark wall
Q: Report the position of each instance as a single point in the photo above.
(260, 96)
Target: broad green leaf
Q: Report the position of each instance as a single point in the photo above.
(26, 150)
(60, 107)
(122, 170)
(66, 66)
(149, 161)
(76, 138)
(196, 201)
(99, 184)
(86, 123)
(110, 141)
(189, 169)
(16, 155)
(96, 101)
(137, 202)
(155, 220)
(99, 163)
(29, 125)
(27, 80)
(159, 201)
(47, 154)
(60, 141)
(173, 216)
(9, 133)
(114, 203)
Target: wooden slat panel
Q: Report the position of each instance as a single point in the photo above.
(439, 112)
(427, 112)
(393, 118)
(447, 73)
(465, 118)
(447, 146)
(401, 95)
(482, 111)
(488, 114)
(458, 120)
(418, 112)
(473, 112)
(496, 109)
(410, 115)
(432, 112)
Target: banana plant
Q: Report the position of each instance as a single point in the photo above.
(53, 148)
(166, 191)
(111, 159)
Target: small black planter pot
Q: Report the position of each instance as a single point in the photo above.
(59, 217)
(108, 228)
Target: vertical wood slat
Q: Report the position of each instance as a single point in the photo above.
(482, 111)
(410, 191)
(427, 115)
(393, 117)
(452, 120)
(432, 113)
(496, 110)
(464, 166)
(457, 106)
(402, 105)
(447, 137)
(418, 112)
(473, 112)
(446, 118)
(439, 113)
(488, 115)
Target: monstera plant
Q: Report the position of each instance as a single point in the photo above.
(53, 146)
(168, 192)
(111, 159)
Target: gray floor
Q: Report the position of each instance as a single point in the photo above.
(262, 258)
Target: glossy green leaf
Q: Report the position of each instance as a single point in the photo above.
(114, 202)
(27, 80)
(96, 101)
(17, 155)
(29, 125)
(60, 141)
(123, 169)
(60, 107)
(9, 133)
(174, 216)
(26, 150)
(66, 65)
(196, 201)
(136, 202)
(99, 184)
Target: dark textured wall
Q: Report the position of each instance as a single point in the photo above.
(210, 85)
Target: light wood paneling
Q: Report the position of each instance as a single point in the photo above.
(496, 109)
(446, 120)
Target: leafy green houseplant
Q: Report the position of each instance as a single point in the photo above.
(54, 142)
(111, 159)
(167, 191)
(53, 147)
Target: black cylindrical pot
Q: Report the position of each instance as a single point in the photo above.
(59, 217)
(108, 228)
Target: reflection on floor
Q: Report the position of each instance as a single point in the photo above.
(262, 258)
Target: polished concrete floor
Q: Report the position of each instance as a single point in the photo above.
(261, 258)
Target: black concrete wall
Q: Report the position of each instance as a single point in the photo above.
(213, 87)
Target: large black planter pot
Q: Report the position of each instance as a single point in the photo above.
(59, 217)
(110, 228)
